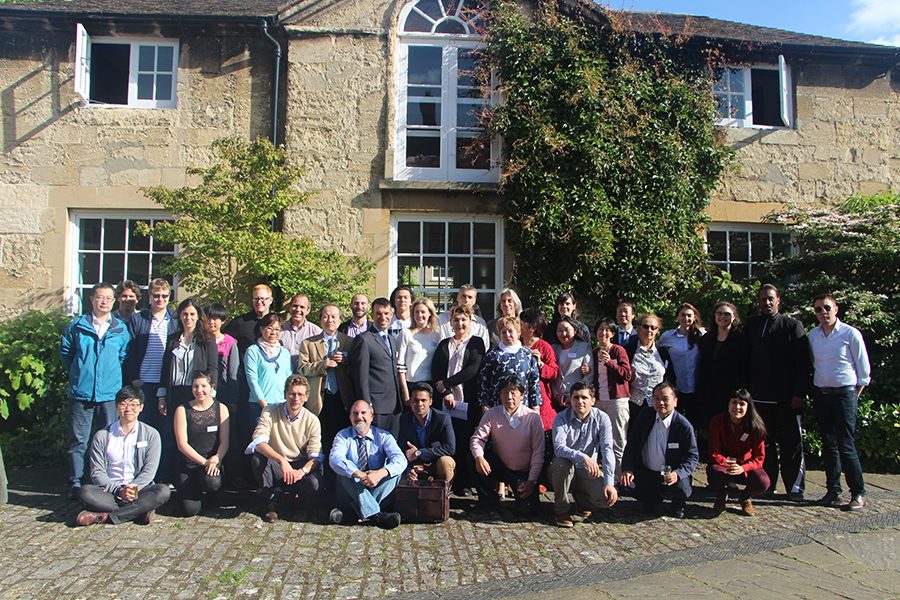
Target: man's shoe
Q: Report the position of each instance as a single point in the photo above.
(856, 502)
(86, 517)
(564, 520)
(721, 499)
(271, 514)
(795, 496)
(831, 498)
(747, 507)
(583, 511)
(486, 504)
(678, 512)
(146, 518)
(74, 492)
(387, 520)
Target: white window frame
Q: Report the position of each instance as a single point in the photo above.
(450, 46)
(749, 228)
(83, 43)
(785, 96)
(393, 269)
(74, 287)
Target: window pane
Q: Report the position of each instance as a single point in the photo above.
(430, 8)
(434, 273)
(759, 247)
(423, 151)
(417, 23)
(159, 246)
(113, 267)
(467, 115)
(766, 95)
(109, 73)
(114, 234)
(450, 26)
(459, 238)
(145, 86)
(86, 300)
(484, 275)
(89, 268)
(740, 272)
(146, 58)
(438, 298)
(483, 238)
(736, 80)
(715, 242)
(138, 268)
(136, 241)
(156, 262)
(458, 271)
(487, 304)
(426, 114)
(408, 237)
(433, 238)
(738, 246)
(737, 108)
(470, 155)
(163, 87)
(424, 65)
(91, 231)
(781, 244)
(165, 59)
(408, 271)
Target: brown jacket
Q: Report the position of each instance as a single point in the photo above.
(312, 366)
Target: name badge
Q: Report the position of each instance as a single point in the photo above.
(142, 444)
(673, 446)
(212, 428)
(178, 352)
(434, 344)
(744, 437)
(573, 355)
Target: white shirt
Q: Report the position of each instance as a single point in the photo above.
(654, 452)
(120, 449)
(477, 328)
(415, 354)
(840, 358)
(100, 328)
(515, 419)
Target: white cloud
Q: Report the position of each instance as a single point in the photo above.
(879, 19)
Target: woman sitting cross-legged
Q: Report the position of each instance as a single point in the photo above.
(737, 452)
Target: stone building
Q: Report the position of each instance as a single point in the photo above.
(100, 97)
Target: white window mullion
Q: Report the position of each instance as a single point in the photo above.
(784, 84)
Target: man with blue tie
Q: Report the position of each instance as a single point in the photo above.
(625, 312)
(374, 370)
(368, 463)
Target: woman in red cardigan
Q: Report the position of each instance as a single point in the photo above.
(737, 452)
(612, 372)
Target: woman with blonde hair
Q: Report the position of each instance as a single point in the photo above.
(509, 358)
(416, 346)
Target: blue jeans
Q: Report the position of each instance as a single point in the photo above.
(836, 413)
(365, 501)
(81, 416)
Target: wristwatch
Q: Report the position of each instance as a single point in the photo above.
(418, 453)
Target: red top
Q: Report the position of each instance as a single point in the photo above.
(725, 440)
(549, 373)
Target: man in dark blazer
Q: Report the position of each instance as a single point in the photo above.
(373, 368)
(661, 453)
(427, 437)
(358, 322)
(779, 376)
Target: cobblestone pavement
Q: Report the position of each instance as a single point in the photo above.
(231, 553)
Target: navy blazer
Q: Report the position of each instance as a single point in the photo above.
(139, 328)
(439, 436)
(681, 452)
(374, 372)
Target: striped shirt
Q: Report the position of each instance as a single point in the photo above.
(151, 366)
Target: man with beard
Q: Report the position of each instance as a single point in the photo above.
(358, 323)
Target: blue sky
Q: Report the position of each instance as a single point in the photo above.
(875, 21)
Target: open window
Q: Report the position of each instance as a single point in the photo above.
(756, 96)
(138, 73)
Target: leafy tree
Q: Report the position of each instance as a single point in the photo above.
(225, 232)
(611, 153)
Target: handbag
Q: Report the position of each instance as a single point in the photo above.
(422, 501)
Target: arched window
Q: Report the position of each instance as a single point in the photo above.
(438, 99)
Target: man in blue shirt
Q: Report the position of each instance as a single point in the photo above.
(585, 462)
(368, 464)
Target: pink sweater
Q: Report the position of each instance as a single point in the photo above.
(521, 448)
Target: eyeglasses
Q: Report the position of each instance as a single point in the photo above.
(824, 308)
(261, 299)
(160, 296)
(134, 405)
(107, 299)
(272, 329)
(649, 327)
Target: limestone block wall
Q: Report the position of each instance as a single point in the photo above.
(846, 141)
(59, 156)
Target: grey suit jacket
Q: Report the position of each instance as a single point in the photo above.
(373, 369)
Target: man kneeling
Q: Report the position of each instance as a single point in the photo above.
(368, 464)
(582, 442)
(124, 458)
(427, 438)
(286, 449)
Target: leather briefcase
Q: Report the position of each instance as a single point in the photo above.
(422, 501)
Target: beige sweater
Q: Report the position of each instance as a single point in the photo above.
(300, 438)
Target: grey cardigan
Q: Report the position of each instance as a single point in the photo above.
(146, 457)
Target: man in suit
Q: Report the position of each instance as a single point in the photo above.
(374, 369)
(779, 377)
(661, 453)
(427, 437)
(625, 312)
(357, 323)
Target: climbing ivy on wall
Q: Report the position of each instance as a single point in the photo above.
(610, 152)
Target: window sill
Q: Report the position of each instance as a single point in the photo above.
(443, 186)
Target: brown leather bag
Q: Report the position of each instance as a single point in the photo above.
(422, 501)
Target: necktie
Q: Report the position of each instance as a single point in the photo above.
(331, 384)
(387, 341)
(363, 461)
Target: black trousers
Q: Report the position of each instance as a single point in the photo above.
(783, 428)
(191, 482)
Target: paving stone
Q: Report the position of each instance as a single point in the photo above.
(878, 551)
(776, 586)
(721, 572)
(671, 586)
(822, 557)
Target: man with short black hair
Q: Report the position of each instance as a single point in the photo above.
(401, 301)
(373, 368)
(427, 437)
(92, 350)
(841, 372)
(625, 312)
(124, 458)
(128, 294)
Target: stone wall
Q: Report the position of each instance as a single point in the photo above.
(60, 156)
(846, 141)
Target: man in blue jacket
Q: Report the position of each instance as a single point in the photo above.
(427, 438)
(92, 350)
(661, 453)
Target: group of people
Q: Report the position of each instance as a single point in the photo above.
(513, 405)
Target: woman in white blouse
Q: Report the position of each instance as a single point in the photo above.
(417, 346)
(573, 355)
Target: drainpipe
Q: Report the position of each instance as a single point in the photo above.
(264, 27)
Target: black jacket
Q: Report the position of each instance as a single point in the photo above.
(779, 366)
(467, 376)
(206, 358)
(681, 449)
(139, 328)
(439, 436)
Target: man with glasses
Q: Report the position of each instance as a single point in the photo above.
(840, 372)
(124, 457)
(92, 350)
(779, 377)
